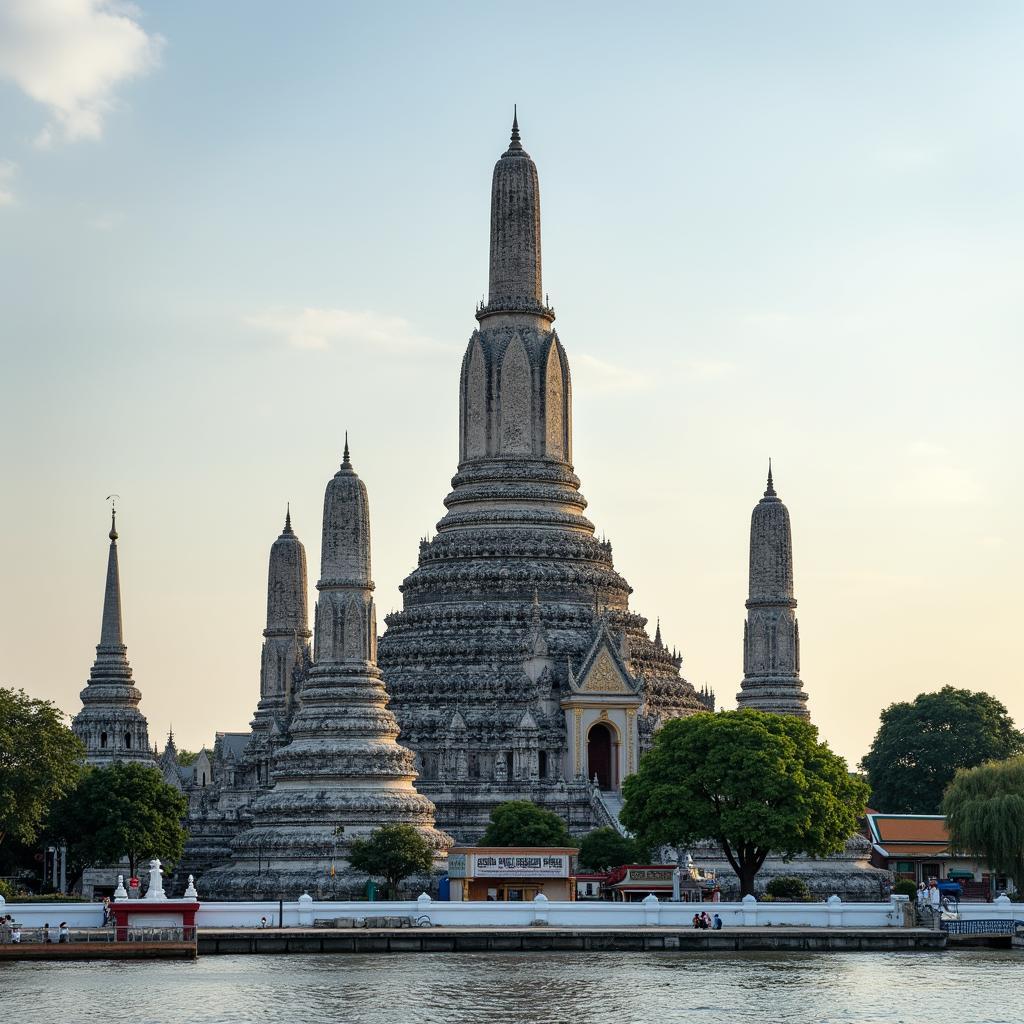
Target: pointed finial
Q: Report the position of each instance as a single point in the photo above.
(288, 517)
(657, 634)
(112, 498)
(770, 493)
(345, 459)
(515, 143)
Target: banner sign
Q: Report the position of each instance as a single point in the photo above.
(497, 865)
(648, 875)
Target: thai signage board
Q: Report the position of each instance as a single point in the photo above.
(505, 865)
(647, 875)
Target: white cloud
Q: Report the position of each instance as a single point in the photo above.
(70, 55)
(320, 328)
(595, 376)
(7, 169)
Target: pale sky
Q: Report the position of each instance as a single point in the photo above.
(229, 232)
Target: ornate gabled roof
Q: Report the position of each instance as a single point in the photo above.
(603, 670)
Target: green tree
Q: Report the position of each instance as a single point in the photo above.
(187, 757)
(984, 808)
(124, 810)
(753, 782)
(393, 852)
(40, 761)
(605, 848)
(788, 887)
(920, 746)
(521, 823)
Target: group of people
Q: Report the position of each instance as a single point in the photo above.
(703, 920)
(929, 895)
(10, 931)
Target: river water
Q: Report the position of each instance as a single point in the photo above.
(961, 987)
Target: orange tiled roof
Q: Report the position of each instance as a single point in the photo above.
(898, 828)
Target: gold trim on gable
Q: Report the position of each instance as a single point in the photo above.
(604, 677)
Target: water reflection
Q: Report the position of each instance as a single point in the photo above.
(969, 987)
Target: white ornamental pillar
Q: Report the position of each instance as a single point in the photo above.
(156, 882)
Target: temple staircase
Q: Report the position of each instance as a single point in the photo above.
(607, 805)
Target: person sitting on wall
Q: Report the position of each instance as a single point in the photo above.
(705, 921)
(696, 921)
(716, 923)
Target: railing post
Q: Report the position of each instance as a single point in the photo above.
(835, 911)
(652, 910)
(540, 909)
(749, 909)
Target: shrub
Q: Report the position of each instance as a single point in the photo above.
(905, 887)
(6, 890)
(788, 887)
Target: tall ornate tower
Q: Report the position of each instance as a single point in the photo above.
(771, 634)
(501, 697)
(286, 655)
(343, 774)
(110, 723)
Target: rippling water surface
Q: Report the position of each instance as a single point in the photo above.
(962, 987)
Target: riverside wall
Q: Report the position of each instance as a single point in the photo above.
(306, 912)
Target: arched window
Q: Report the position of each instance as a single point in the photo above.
(127, 741)
(204, 778)
(103, 741)
(542, 764)
(508, 764)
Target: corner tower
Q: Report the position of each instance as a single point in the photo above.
(771, 634)
(515, 569)
(110, 723)
(342, 774)
(285, 653)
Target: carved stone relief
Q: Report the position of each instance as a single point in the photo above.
(515, 400)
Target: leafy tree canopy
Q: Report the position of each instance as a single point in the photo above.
(984, 808)
(187, 758)
(753, 782)
(124, 810)
(604, 848)
(920, 746)
(393, 852)
(521, 823)
(40, 761)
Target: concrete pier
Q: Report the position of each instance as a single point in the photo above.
(478, 940)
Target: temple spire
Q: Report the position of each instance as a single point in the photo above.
(346, 458)
(110, 723)
(515, 266)
(515, 142)
(288, 517)
(771, 636)
(111, 631)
